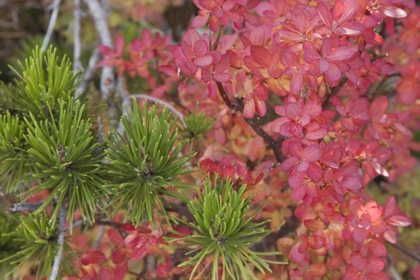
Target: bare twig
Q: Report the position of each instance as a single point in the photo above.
(253, 123)
(25, 206)
(89, 73)
(77, 64)
(332, 93)
(99, 149)
(406, 251)
(100, 20)
(60, 241)
(51, 25)
(126, 103)
(100, 235)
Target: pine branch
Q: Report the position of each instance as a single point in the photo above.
(51, 25)
(25, 206)
(60, 241)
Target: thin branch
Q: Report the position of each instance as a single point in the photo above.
(100, 235)
(89, 73)
(126, 103)
(100, 148)
(219, 34)
(25, 206)
(406, 251)
(100, 20)
(51, 25)
(253, 123)
(60, 242)
(333, 93)
(77, 64)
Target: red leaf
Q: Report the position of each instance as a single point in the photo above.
(115, 237)
(93, 257)
(119, 256)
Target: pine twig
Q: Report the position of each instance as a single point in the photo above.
(51, 24)
(25, 206)
(60, 241)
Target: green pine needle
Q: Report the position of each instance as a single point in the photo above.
(145, 162)
(224, 230)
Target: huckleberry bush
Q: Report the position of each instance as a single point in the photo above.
(271, 127)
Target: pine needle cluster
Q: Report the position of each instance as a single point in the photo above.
(38, 238)
(145, 162)
(223, 232)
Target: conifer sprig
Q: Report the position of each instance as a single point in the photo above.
(43, 80)
(145, 162)
(65, 161)
(12, 153)
(224, 230)
(38, 236)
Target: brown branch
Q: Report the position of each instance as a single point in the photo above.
(219, 34)
(332, 93)
(253, 123)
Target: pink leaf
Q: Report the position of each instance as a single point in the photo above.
(288, 164)
(115, 237)
(341, 53)
(351, 183)
(312, 153)
(399, 221)
(325, 14)
(168, 70)
(261, 55)
(204, 60)
(119, 45)
(249, 109)
(293, 110)
(392, 11)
